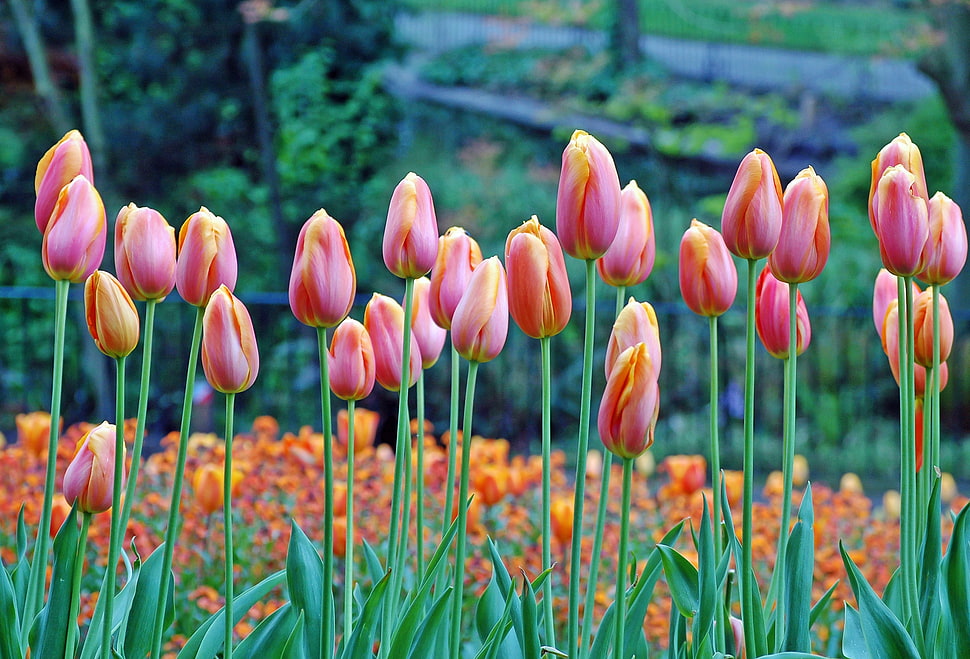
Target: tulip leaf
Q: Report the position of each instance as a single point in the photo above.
(374, 566)
(957, 582)
(821, 604)
(144, 587)
(296, 642)
(491, 615)
(362, 637)
(9, 618)
(682, 580)
(497, 642)
(706, 574)
(799, 565)
(305, 585)
(530, 626)
(50, 629)
(269, 637)
(853, 640)
(931, 606)
(431, 627)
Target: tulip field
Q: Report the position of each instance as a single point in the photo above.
(321, 541)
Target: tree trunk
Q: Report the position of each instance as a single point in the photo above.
(625, 35)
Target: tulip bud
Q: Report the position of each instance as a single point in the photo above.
(803, 245)
(772, 316)
(206, 257)
(923, 329)
(631, 403)
(230, 357)
(144, 253)
(33, 431)
(411, 233)
(902, 223)
(458, 254)
(351, 361)
(110, 314)
(323, 281)
(588, 200)
(636, 323)
(384, 320)
(58, 167)
(89, 478)
(890, 345)
(708, 278)
(946, 247)
(751, 221)
(365, 426)
(75, 236)
(481, 322)
(540, 300)
(884, 291)
(901, 151)
(429, 335)
(208, 484)
(630, 258)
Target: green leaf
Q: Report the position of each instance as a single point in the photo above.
(296, 642)
(9, 618)
(530, 627)
(799, 565)
(270, 636)
(682, 580)
(362, 637)
(956, 603)
(853, 640)
(821, 604)
(498, 636)
(374, 567)
(304, 582)
(706, 574)
(431, 628)
(49, 631)
(931, 549)
(143, 603)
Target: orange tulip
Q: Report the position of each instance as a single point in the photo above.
(636, 323)
(60, 509)
(890, 345)
(630, 258)
(411, 233)
(206, 257)
(772, 316)
(365, 427)
(561, 514)
(208, 484)
(351, 361)
(89, 478)
(687, 473)
(74, 238)
(110, 314)
(230, 357)
(540, 300)
(144, 253)
(946, 246)
(588, 200)
(631, 402)
(33, 431)
(803, 245)
(902, 222)
(751, 221)
(429, 335)
(708, 278)
(923, 326)
(58, 167)
(323, 281)
(481, 321)
(384, 320)
(458, 254)
(901, 151)
(491, 483)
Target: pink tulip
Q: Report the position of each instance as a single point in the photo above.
(540, 300)
(110, 314)
(323, 281)
(429, 335)
(384, 320)
(636, 323)
(923, 329)
(901, 151)
(411, 233)
(58, 167)
(751, 221)
(588, 201)
(74, 238)
(230, 357)
(481, 322)
(351, 361)
(884, 291)
(144, 253)
(890, 345)
(630, 258)
(946, 247)
(89, 478)
(772, 317)
(708, 278)
(206, 257)
(458, 254)
(902, 223)
(630, 405)
(803, 245)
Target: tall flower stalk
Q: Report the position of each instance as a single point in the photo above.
(326, 642)
(115, 538)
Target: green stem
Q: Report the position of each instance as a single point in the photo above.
(114, 542)
(466, 445)
(619, 628)
(419, 479)
(716, 475)
(326, 641)
(227, 524)
(549, 621)
(582, 447)
(934, 437)
(171, 530)
(38, 566)
(452, 442)
(349, 549)
(82, 545)
(747, 572)
(910, 509)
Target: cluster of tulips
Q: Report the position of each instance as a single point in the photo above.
(418, 608)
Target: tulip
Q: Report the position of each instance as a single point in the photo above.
(33, 431)
(630, 258)
(884, 291)
(365, 427)
(902, 222)
(206, 257)
(110, 314)
(411, 233)
(89, 479)
(708, 278)
(751, 221)
(207, 483)
(772, 316)
(458, 254)
(58, 167)
(901, 151)
(803, 245)
(630, 405)
(230, 357)
(923, 328)
(74, 238)
(636, 323)
(481, 321)
(540, 300)
(323, 281)
(687, 473)
(351, 361)
(384, 320)
(429, 335)
(946, 247)
(144, 253)
(889, 334)
(60, 509)
(588, 200)
(561, 513)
